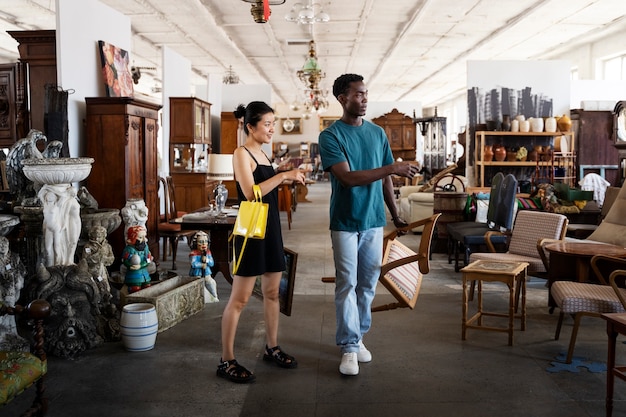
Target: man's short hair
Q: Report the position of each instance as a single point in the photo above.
(342, 83)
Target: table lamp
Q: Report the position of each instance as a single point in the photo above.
(220, 168)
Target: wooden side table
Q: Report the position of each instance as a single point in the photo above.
(615, 324)
(513, 274)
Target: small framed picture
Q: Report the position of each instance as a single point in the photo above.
(326, 121)
(287, 283)
(291, 126)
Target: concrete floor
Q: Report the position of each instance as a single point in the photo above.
(420, 364)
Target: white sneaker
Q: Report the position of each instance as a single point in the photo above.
(349, 364)
(363, 355)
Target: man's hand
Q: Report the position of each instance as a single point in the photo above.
(399, 223)
(405, 169)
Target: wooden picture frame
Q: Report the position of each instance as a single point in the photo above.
(287, 283)
(115, 61)
(326, 121)
(297, 127)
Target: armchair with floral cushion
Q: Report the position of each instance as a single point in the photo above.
(18, 369)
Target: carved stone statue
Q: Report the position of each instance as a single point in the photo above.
(134, 213)
(74, 298)
(61, 224)
(12, 272)
(98, 254)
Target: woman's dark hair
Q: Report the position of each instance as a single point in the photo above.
(342, 83)
(252, 113)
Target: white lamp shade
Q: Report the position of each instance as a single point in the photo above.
(220, 167)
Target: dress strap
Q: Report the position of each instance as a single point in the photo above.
(257, 162)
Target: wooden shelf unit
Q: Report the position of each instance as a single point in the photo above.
(567, 159)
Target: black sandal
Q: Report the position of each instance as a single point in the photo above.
(279, 357)
(234, 372)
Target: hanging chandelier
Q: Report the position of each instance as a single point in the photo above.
(311, 74)
(260, 9)
(304, 14)
(230, 77)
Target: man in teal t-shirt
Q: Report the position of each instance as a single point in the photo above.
(357, 155)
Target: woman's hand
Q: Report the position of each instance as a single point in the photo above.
(295, 175)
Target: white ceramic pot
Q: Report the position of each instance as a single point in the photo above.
(139, 326)
(520, 117)
(514, 125)
(524, 126)
(550, 124)
(536, 124)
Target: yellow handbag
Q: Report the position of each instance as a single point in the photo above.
(251, 222)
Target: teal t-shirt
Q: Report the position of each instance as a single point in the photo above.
(354, 209)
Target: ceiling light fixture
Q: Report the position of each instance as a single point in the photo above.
(230, 77)
(260, 9)
(311, 74)
(304, 14)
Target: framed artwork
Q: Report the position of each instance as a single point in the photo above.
(326, 121)
(118, 81)
(291, 126)
(287, 283)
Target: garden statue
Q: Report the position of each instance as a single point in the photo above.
(61, 223)
(98, 254)
(201, 261)
(136, 259)
(73, 324)
(12, 272)
(134, 213)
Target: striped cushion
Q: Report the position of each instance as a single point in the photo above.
(406, 278)
(573, 297)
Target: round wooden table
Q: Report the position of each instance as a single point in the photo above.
(581, 252)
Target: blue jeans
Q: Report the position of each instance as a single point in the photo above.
(358, 257)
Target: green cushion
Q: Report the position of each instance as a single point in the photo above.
(18, 371)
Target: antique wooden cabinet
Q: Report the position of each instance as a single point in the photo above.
(190, 143)
(121, 135)
(401, 133)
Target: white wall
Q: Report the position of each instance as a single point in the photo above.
(81, 24)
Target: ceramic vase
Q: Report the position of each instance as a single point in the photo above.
(514, 125)
(499, 153)
(536, 124)
(488, 153)
(139, 326)
(564, 123)
(511, 156)
(506, 123)
(550, 124)
(524, 126)
(533, 155)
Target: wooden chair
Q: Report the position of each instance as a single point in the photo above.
(581, 299)
(20, 370)
(171, 233)
(402, 268)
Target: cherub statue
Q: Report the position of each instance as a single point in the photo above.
(12, 272)
(136, 259)
(201, 261)
(98, 254)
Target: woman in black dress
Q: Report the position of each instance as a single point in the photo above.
(263, 257)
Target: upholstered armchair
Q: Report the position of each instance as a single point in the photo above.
(19, 370)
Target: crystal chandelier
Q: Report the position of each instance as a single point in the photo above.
(311, 74)
(260, 9)
(230, 77)
(304, 14)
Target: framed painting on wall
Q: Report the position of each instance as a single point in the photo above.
(287, 283)
(118, 81)
(326, 121)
